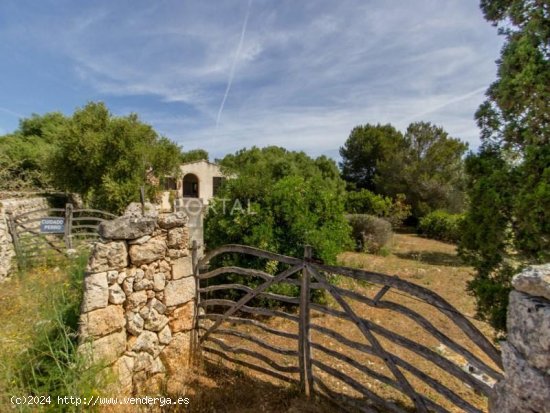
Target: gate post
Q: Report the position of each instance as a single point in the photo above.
(68, 226)
(15, 239)
(195, 346)
(304, 344)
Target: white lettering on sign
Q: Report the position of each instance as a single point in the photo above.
(52, 225)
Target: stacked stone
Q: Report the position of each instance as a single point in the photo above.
(16, 206)
(139, 290)
(6, 246)
(526, 351)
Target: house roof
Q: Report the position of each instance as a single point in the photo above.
(199, 161)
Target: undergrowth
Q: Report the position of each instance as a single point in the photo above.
(49, 364)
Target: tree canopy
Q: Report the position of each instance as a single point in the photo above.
(25, 152)
(366, 149)
(294, 200)
(107, 158)
(425, 164)
(104, 158)
(508, 223)
(194, 155)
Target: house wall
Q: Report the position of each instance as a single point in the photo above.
(205, 171)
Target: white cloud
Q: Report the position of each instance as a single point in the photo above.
(307, 71)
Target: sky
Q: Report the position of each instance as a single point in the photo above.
(228, 74)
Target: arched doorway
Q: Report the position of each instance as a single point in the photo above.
(190, 186)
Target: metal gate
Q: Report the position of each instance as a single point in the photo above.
(52, 232)
(304, 325)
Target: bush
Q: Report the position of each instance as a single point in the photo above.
(371, 234)
(441, 225)
(278, 201)
(367, 202)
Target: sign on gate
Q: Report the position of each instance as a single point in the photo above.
(52, 225)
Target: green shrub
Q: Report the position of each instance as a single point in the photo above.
(371, 234)
(441, 225)
(367, 202)
(278, 201)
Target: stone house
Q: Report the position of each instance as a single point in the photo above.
(199, 180)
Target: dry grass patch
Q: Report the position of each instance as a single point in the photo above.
(431, 264)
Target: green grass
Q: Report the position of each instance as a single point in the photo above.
(40, 356)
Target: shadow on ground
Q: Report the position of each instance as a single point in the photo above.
(432, 258)
(220, 389)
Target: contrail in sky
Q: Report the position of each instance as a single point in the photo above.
(442, 105)
(234, 65)
(11, 112)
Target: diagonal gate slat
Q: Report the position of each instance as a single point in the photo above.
(249, 296)
(363, 326)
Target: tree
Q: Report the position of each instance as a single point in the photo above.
(294, 200)
(425, 165)
(508, 223)
(366, 148)
(106, 158)
(194, 155)
(24, 153)
(429, 170)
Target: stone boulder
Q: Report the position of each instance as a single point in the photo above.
(135, 210)
(147, 341)
(127, 228)
(105, 349)
(123, 369)
(175, 355)
(108, 256)
(529, 328)
(181, 318)
(134, 323)
(96, 292)
(521, 379)
(182, 267)
(178, 238)
(179, 291)
(152, 250)
(176, 359)
(136, 300)
(534, 280)
(99, 323)
(116, 295)
(175, 219)
(165, 335)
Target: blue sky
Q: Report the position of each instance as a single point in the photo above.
(223, 75)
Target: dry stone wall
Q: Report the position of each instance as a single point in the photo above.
(16, 206)
(526, 351)
(137, 309)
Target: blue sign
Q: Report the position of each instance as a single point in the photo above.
(52, 225)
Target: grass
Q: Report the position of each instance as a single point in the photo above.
(40, 308)
(431, 264)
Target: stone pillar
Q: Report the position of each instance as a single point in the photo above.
(526, 351)
(137, 311)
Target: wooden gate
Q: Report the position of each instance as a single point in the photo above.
(51, 232)
(331, 339)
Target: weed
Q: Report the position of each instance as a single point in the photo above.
(49, 364)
